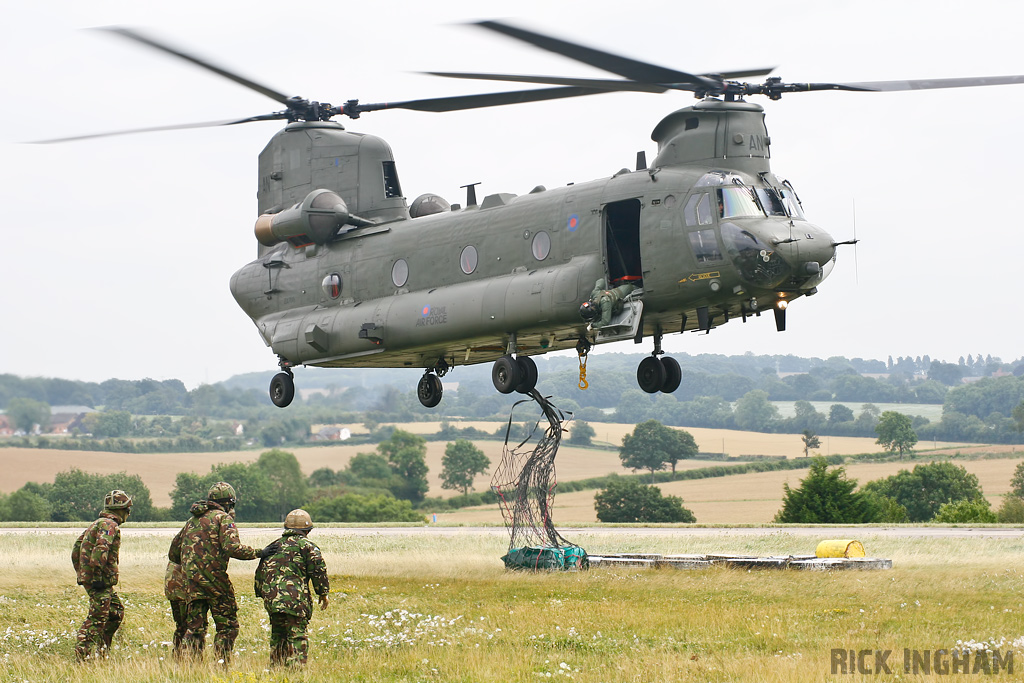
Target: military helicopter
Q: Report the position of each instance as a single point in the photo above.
(349, 274)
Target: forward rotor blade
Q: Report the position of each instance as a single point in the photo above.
(616, 64)
(931, 83)
(594, 83)
(181, 126)
(157, 45)
(443, 104)
(890, 86)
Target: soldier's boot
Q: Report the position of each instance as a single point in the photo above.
(192, 645)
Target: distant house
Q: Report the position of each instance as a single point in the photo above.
(332, 434)
(6, 428)
(238, 428)
(67, 419)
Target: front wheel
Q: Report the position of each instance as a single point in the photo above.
(282, 390)
(528, 369)
(673, 374)
(506, 374)
(650, 375)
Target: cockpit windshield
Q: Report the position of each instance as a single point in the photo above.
(791, 200)
(736, 202)
(771, 201)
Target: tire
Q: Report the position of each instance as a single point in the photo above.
(650, 375)
(673, 374)
(282, 390)
(429, 390)
(528, 369)
(506, 374)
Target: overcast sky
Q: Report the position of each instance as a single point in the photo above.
(117, 252)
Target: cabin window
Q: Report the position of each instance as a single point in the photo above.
(705, 246)
(698, 210)
(400, 273)
(392, 188)
(332, 285)
(469, 259)
(770, 201)
(541, 245)
(737, 202)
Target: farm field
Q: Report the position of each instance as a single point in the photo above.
(158, 471)
(752, 498)
(407, 608)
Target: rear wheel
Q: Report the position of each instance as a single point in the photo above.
(282, 389)
(429, 390)
(650, 375)
(506, 374)
(528, 369)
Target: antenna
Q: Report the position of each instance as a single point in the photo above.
(641, 160)
(470, 194)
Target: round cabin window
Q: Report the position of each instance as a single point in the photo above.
(541, 245)
(332, 285)
(400, 273)
(468, 260)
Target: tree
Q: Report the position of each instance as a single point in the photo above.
(1011, 511)
(582, 434)
(896, 432)
(810, 440)
(78, 496)
(1017, 481)
(353, 507)
(287, 483)
(26, 413)
(26, 506)
(824, 497)
(629, 501)
(838, 413)
(977, 511)
(108, 424)
(1018, 416)
(652, 445)
(755, 413)
(407, 455)
(461, 462)
(925, 488)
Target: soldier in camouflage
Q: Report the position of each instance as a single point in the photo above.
(174, 591)
(203, 548)
(95, 558)
(282, 580)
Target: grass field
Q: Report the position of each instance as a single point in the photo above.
(443, 609)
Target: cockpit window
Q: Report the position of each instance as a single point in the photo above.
(698, 209)
(771, 201)
(792, 204)
(736, 202)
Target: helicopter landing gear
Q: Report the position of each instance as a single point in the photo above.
(429, 390)
(659, 374)
(506, 374)
(528, 370)
(282, 387)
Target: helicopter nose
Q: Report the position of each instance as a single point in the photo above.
(811, 251)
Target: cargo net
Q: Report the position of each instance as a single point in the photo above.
(525, 483)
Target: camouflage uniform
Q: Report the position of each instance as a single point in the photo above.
(608, 301)
(282, 580)
(174, 591)
(203, 548)
(95, 559)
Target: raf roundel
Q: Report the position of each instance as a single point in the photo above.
(426, 311)
(573, 223)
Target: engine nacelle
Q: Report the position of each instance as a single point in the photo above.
(313, 221)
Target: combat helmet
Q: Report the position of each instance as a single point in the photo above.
(117, 500)
(222, 493)
(298, 519)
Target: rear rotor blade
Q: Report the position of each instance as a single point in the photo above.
(162, 47)
(929, 83)
(623, 66)
(180, 126)
(458, 103)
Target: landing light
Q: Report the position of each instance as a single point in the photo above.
(782, 305)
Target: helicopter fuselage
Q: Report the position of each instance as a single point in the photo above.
(702, 243)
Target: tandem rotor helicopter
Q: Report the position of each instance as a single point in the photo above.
(350, 274)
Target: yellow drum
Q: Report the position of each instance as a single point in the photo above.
(840, 548)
